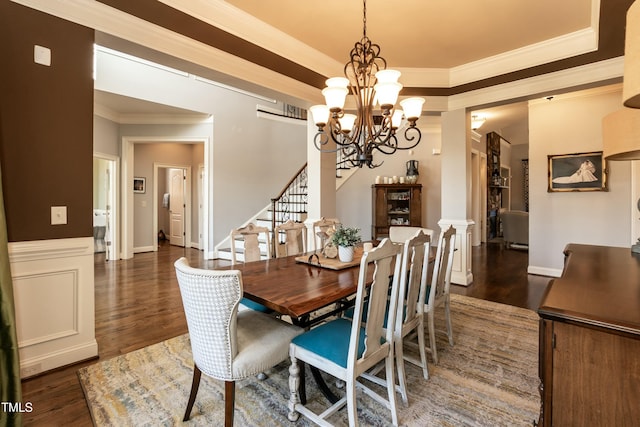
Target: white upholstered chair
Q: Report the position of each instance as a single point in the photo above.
(438, 293)
(250, 235)
(322, 226)
(295, 238)
(401, 233)
(227, 344)
(346, 348)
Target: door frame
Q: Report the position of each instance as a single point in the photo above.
(113, 250)
(127, 174)
(187, 200)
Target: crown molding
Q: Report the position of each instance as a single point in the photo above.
(562, 47)
(584, 75)
(233, 20)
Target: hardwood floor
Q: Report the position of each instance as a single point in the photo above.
(137, 303)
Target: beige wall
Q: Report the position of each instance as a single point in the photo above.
(566, 125)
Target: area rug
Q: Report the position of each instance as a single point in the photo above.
(488, 378)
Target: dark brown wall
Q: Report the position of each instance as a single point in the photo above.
(46, 137)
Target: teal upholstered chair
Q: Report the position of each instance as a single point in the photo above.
(409, 325)
(347, 348)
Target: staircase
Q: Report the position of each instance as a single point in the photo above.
(291, 203)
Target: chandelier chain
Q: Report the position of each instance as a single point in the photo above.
(364, 18)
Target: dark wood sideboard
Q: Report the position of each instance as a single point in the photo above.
(590, 340)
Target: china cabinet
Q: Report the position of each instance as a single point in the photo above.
(395, 204)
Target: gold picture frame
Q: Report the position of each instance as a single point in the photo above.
(577, 172)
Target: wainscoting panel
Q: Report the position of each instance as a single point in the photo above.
(54, 297)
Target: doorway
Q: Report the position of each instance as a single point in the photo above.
(127, 175)
(172, 204)
(105, 205)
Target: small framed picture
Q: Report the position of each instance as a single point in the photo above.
(577, 172)
(139, 185)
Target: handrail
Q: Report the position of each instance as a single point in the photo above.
(291, 203)
(288, 184)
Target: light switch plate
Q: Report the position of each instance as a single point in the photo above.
(42, 55)
(58, 215)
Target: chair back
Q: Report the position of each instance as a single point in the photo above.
(365, 339)
(250, 235)
(413, 283)
(295, 239)
(402, 233)
(322, 226)
(210, 299)
(441, 278)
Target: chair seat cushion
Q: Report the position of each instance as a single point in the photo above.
(255, 306)
(263, 342)
(331, 341)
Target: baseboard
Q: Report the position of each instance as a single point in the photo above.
(543, 271)
(141, 249)
(45, 362)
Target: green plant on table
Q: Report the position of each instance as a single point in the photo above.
(346, 236)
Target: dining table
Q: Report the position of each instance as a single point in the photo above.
(308, 288)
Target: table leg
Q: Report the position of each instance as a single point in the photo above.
(302, 388)
(317, 376)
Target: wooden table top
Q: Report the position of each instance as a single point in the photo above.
(600, 286)
(295, 289)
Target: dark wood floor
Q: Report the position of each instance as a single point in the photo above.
(137, 303)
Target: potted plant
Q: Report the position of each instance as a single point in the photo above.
(345, 238)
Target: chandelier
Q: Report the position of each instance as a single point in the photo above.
(358, 135)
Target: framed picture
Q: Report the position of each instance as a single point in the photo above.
(577, 172)
(139, 185)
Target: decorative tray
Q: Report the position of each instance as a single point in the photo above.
(319, 260)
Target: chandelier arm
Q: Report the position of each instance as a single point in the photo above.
(320, 140)
(417, 135)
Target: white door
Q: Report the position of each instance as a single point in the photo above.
(176, 206)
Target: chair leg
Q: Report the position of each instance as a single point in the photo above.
(229, 402)
(194, 391)
(391, 388)
(447, 312)
(351, 399)
(402, 379)
(432, 337)
(421, 348)
(294, 384)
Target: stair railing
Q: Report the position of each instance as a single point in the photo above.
(291, 203)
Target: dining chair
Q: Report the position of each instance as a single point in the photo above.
(438, 292)
(322, 226)
(295, 239)
(227, 344)
(346, 348)
(409, 324)
(400, 233)
(250, 236)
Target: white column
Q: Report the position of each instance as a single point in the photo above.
(321, 181)
(456, 190)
